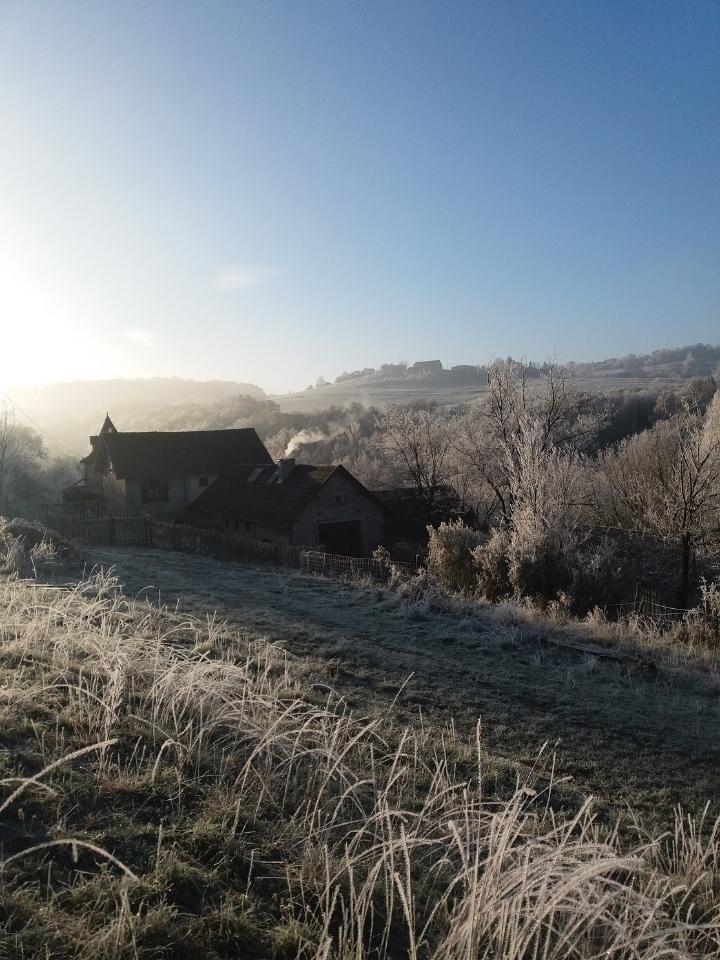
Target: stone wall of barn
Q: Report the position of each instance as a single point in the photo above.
(258, 531)
(340, 500)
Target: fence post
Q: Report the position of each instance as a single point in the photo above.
(147, 531)
(111, 530)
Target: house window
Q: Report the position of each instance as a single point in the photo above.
(237, 525)
(247, 526)
(154, 491)
(203, 481)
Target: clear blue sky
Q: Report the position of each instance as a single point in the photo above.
(273, 191)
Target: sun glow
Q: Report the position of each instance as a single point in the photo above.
(43, 339)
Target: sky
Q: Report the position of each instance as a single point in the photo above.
(274, 191)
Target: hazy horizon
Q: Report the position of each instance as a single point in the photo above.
(347, 368)
(270, 192)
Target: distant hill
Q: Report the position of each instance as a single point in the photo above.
(72, 411)
(430, 380)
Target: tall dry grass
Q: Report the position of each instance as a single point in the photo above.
(386, 844)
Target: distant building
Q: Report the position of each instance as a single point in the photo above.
(465, 372)
(426, 368)
(227, 479)
(393, 371)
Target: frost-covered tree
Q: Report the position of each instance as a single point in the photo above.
(548, 490)
(665, 483)
(491, 436)
(417, 441)
(21, 456)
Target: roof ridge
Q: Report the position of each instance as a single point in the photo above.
(176, 433)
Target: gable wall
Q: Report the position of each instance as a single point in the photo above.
(181, 491)
(339, 500)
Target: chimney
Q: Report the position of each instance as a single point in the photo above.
(286, 465)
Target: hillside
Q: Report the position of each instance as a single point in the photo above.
(402, 383)
(184, 781)
(72, 411)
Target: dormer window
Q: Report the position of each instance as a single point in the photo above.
(203, 481)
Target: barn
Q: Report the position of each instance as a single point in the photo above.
(301, 504)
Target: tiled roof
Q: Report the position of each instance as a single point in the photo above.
(247, 495)
(190, 453)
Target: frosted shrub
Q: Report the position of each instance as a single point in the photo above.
(450, 556)
(538, 561)
(16, 559)
(559, 607)
(416, 587)
(382, 555)
(701, 626)
(710, 594)
(35, 534)
(44, 557)
(28, 548)
(491, 566)
(425, 595)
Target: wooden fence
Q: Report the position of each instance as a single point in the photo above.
(355, 567)
(145, 531)
(648, 603)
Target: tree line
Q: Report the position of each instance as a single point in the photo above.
(567, 505)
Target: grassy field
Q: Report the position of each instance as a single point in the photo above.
(241, 762)
(645, 738)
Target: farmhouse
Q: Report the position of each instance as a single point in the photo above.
(227, 479)
(161, 473)
(322, 506)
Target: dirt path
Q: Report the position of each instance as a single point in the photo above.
(650, 741)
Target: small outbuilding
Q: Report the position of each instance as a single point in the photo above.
(300, 504)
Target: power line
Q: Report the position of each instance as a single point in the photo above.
(38, 427)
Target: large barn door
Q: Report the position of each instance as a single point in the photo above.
(343, 537)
